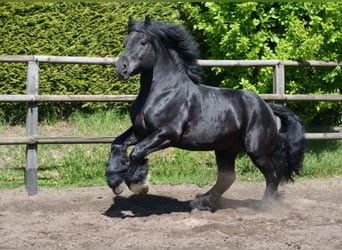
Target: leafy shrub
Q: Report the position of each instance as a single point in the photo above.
(288, 31)
(251, 30)
(68, 29)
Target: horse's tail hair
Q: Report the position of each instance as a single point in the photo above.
(289, 153)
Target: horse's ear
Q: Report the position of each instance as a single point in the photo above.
(130, 23)
(147, 20)
(130, 19)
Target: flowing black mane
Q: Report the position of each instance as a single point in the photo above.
(177, 40)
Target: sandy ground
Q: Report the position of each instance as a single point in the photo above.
(309, 216)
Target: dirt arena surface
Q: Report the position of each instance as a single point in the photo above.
(309, 216)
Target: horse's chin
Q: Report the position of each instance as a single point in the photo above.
(123, 77)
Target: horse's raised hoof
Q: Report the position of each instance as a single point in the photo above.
(116, 183)
(119, 189)
(203, 203)
(138, 188)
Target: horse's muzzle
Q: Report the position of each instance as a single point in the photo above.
(121, 68)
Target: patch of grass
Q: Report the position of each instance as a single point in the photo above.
(107, 123)
(176, 166)
(12, 177)
(3, 126)
(65, 165)
(323, 159)
(83, 165)
(12, 171)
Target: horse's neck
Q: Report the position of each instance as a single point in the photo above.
(146, 79)
(163, 76)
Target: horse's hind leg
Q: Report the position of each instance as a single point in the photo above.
(260, 144)
(225, 178)
(265, 165)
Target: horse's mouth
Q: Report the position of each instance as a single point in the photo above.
(123, 77)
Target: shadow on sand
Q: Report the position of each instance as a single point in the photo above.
(147, 205)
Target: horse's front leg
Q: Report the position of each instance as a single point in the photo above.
(117, 165)
(138, 168)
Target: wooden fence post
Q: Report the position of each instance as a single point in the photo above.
(279, 79)
(279, 83)
(31, 171)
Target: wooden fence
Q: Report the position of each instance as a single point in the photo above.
(33, 98)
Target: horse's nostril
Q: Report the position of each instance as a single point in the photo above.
(124, 68)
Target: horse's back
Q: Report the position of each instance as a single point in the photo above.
(221, 117)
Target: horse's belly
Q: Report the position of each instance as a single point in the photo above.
(209, 140)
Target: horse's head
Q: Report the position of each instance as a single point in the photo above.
(152, 43)
(138, 56)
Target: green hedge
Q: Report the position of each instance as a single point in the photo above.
(296, 31)
(68, 29)
(272, 30)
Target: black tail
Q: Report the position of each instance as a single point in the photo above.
(289, 153)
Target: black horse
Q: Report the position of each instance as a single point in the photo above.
(174, 110)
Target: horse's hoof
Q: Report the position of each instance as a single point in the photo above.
(119, 189)
(138, 188)
(203, 203)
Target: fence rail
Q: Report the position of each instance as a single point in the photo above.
(109, 139)
(130, 98)
(33, 98)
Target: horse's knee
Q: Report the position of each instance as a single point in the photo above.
(136, 155)
(117, 162)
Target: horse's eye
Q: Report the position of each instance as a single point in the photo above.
(143, 42)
